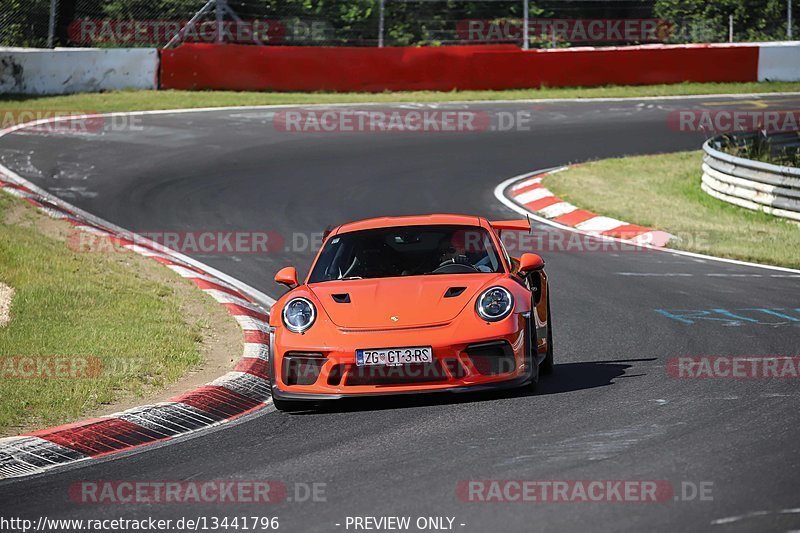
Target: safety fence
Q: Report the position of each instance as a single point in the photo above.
(376, 23)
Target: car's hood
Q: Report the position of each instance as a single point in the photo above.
(398, 302)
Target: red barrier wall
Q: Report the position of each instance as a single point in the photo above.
(289, 68)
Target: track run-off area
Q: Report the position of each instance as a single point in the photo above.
(610, 411)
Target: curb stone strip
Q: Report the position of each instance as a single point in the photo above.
(529, 194)
(239, 392)
(644, 241)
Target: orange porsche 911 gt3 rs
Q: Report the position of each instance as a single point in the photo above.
(408, 305)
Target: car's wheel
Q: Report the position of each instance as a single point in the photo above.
(547, 365)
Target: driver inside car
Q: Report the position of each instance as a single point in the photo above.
(454, 250)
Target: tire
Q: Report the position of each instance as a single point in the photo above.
(547, 365)
(530, 361)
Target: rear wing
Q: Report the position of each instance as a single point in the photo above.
(511, 225)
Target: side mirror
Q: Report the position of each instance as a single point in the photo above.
(287, 276)
(530, 263)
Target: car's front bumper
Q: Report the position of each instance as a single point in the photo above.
(456, 366)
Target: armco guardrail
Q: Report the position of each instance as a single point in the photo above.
(756, 185)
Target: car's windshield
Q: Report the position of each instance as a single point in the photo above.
(407, 251)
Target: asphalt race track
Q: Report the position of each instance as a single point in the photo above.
(609, 412)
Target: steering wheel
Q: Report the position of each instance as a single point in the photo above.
(452, 267)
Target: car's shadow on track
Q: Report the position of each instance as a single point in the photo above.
(569, 377)
(566, 377)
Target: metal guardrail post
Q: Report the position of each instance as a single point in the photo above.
(381, 14)
(192, 21)
(730, 28)
(525, 21)
(51, 25)
(218, 16)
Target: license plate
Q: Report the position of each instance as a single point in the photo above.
(394, 356)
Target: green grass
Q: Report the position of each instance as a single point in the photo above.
(116, 307)
(145, 100)
(663, 192)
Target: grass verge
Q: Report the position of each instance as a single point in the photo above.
(147, 100)
(91, 333)
(663, 192)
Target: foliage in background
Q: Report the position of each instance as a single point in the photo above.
(777, 149)
(407, 22)
(24, 22)
(704, 21)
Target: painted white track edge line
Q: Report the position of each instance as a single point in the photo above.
(177, 111)
(500, 196)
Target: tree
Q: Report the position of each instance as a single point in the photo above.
(704, 21)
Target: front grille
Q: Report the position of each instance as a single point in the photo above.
(492, 358)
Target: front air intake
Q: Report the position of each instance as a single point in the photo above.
(302, 368)
(452, 292)
(492, 358)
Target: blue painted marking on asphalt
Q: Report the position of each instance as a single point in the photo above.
(727, 313)
(774, 312)
(733, 317)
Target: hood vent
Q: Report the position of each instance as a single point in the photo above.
(343, 298)
(452, 292)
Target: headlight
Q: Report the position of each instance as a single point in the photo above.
(495, 303)
(298, 315)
